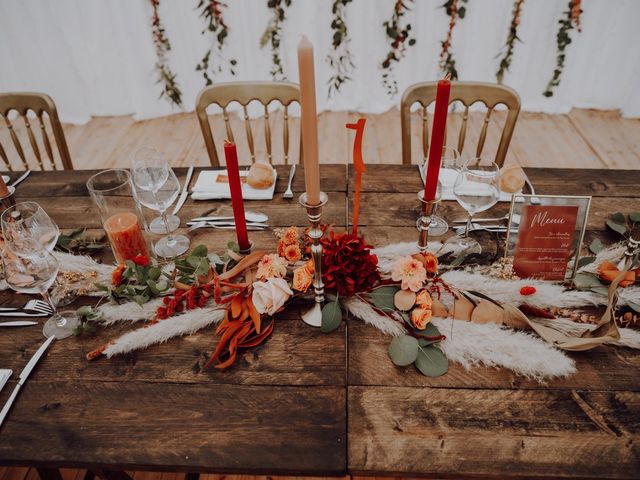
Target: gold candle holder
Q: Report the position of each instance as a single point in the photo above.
(428, 209)
(314, 213)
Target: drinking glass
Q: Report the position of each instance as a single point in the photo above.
(34, 273)
(476, 188)
(26, 222)
(151, 157)
(450, 164)
(157, 187)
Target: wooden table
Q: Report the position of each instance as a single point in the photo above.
(314, 404)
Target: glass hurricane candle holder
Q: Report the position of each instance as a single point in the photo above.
(112, 191)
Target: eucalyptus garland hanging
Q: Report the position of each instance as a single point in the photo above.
(170, 88)
(512, 38)
(340, 59)
(212, 12)
(455, 9)
(399, 37)
(571, 17)
(272, 35)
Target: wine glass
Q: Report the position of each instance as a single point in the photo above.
(157, 188)
(450, 164)
(25, 222)
(147, 156)
(35, 272)
(476, 188)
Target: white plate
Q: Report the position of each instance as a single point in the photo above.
(208, 188)
(4, 376)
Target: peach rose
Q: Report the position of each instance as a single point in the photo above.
(290, 236)
(410, 272)
(429, 261)
(424, 299)
(292, 253)
(420, 317)
(302, 279)
(270, 266)
(270, 296)
(311, 268)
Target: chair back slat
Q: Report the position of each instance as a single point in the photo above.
(249, 132)
(5, 159)
(467, 93)
(285, 134)
(267, 133)
(46, 142)
(243, 93)
(425, 133)
(38, 103)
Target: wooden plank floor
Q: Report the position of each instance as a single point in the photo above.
(581, 139)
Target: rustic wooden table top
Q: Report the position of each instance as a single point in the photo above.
(315, 404)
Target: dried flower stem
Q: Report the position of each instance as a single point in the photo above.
(171, 89)
(512, 38)
(399, 37)
(212, 11)
(455, 10)
(272, 35)
(340, 59)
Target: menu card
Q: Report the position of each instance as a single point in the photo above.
(545, 241)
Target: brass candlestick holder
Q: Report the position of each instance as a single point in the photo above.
(313, 317)
(428, 209)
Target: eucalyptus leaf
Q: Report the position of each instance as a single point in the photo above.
(586, 281)
(585, 261)
(601, 290)
(95, 315)
(634, 217)
(431, 361)
(153, 287)
(199, 251)
(233, 246)
(140, 299)
(616, 227)
(154, 273)
(215, 258)
(595, 246)
(331, 317)
(618, 217)
(403, 350)
(382, 297)
(84, 311)
(430, 330)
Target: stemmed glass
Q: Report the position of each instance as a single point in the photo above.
(450, 165)
(27, 222)
(157, 187)
(476, 188)
(35, 272)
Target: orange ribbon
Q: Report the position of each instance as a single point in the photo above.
(358, 164)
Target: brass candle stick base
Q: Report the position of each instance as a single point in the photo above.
(313, 316)
(428, 209)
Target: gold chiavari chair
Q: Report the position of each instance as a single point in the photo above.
(223, 94)
(39, 104)
(468, 93)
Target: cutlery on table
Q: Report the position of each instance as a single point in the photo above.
(515, 219)
(21, 178)
(24, 375)
(292, 173)
(18, 323)
(32, 306)
(225, 226)
(248, 216)
(185, 191)
(486, 228)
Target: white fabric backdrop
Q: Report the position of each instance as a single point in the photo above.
(96, 57)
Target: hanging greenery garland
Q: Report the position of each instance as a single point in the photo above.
(212, 12)
(272, 35)
(455, 9)
(512, 38)
(340, 59)
(170, 88)
(571, 17)
(399, 37)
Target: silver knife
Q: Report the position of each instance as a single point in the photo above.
(24, 375)
(185, 191)
(21, 178)
(24, 314)
(18, 323)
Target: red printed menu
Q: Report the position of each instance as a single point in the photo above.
(545, 240)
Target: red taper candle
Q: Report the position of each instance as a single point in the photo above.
(233, 172)
(437, 138)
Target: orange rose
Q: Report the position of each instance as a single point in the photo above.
(311, 268)
(116, 275)
(420, 317)
(302, 279)
(290, 236)
(424, 299)
(430, 263)
(292, 253)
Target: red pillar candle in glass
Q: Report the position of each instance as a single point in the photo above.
(309, 121)
(437, 138)
(125, 236)
(233, 172)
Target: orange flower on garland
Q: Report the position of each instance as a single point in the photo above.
(348, 266)
(116, 275)
(608, 272)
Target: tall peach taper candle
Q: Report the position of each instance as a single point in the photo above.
(309, 121)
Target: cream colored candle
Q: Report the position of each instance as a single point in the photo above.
(309, 120)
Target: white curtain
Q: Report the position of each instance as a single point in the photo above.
(96, 57)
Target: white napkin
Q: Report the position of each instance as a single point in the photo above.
(448, 178)
(208, 188)
(4, 376)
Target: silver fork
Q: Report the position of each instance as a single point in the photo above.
(31, 308)
(292, 173)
